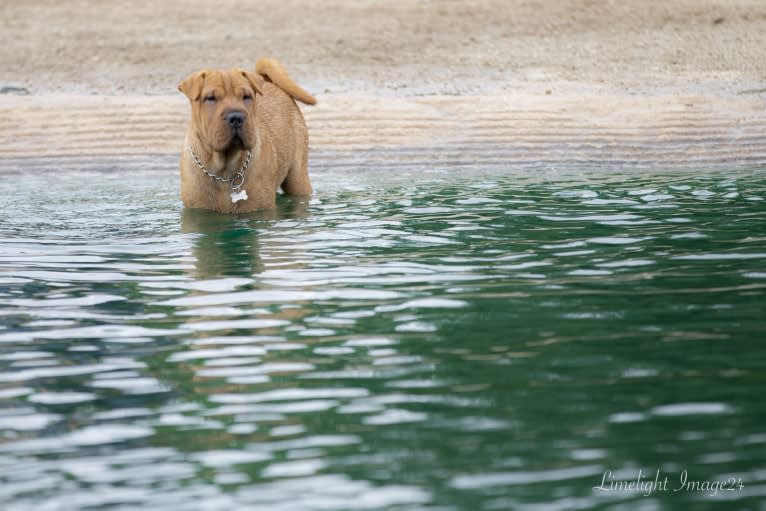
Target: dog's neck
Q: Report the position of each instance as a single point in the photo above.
(221, 163)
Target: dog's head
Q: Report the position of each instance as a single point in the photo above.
(223, 107)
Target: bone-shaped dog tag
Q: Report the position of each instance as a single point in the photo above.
(238, 196)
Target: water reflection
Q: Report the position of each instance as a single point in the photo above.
(228, 245)
(485, 341)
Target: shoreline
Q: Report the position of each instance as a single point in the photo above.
(517, 130)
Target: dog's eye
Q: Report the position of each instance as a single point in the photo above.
(210, 98)
(247, 96)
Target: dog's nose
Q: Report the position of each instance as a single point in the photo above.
(235, 119)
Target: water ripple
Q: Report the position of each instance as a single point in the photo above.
(439, 340)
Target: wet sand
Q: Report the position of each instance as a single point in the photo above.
(522, 83)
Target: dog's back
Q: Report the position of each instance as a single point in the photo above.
(277, 113)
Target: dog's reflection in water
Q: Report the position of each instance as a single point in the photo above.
(228, 245)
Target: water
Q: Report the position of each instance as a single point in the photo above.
(456, 340)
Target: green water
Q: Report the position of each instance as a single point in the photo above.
(456, 340)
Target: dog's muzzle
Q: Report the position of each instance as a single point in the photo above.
(235, 120)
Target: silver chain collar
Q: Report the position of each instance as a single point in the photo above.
(235, 182)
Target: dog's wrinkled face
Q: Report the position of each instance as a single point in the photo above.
(223, 107)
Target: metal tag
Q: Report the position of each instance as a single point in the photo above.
(238, 196)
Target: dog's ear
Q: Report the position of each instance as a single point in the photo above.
(192, 85)
(255, 80)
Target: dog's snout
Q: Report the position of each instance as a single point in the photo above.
(235, 119)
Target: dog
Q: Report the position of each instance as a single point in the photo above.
(246, 139)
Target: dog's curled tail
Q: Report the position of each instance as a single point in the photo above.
(272, 70)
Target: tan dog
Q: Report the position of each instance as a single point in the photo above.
(246, 138)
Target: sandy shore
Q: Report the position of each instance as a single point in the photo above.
(596, 81)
